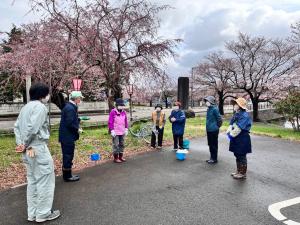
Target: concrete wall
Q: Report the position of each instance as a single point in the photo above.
(267, 114)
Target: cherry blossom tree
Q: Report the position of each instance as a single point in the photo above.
(213, 74)
(120, 40)
(258, 63)
(46, 53)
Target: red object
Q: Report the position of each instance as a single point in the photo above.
(77, 84)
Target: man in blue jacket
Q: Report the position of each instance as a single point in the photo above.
(177, 118)
(213, 123)
(69, 133)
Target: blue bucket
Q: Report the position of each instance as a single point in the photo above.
(186, 144)
(95, 157)
(181, 155)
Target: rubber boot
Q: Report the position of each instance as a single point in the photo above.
(242, 172)
(121, 157)
(237, 170)
(116, 158)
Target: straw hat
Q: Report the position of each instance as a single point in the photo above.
(241, 102)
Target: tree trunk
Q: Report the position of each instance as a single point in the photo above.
(166, 101)
(58, 99)
(221, 102)
(113, 93)
(255, 109)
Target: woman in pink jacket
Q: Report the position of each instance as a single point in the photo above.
(118, 128)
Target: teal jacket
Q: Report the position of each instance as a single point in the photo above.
(212, 118)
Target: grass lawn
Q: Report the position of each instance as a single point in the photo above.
(98, 140)
(94, 140)
(271, 130)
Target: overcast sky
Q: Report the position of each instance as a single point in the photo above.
(204, 25)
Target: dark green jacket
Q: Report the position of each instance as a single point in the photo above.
(212, 118)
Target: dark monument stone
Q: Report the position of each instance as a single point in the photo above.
(183, 92)
(183, 96)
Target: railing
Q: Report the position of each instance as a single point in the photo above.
(262, 106)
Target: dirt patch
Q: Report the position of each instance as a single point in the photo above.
(16, 173)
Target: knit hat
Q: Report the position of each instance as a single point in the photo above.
(158, 106)
(210, 99)
(120, 102)
(241, 102)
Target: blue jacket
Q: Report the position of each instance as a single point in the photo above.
(243, 120)
(69, 124)
(212, 118)
(242, 143)
(179, 124)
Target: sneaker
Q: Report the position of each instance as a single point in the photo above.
(175, 149)
(54, 215)
(31, 219)
(211, 161)
(239, 176)
(159, 147)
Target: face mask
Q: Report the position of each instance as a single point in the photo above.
(236, 108)
(78, 102)
(46, 99)
(158, 109)
(120, 107)
(208, 104)
(176, 107)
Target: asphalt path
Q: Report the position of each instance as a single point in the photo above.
(155, 188)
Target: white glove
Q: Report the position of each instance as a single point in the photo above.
(229, 129)
(30, 152)
(235, 130)
(154, 129)
(173, 119)
(126, 132)
(80, 130)
(113, 133)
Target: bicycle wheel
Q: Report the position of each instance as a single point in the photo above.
(146, 132)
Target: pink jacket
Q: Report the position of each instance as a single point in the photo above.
(118, 121)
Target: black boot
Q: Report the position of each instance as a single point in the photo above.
(68, 177)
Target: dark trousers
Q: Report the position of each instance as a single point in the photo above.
(178, 138)
(241, 158)
(212, 139)
(68, 154)
(118, 144)
(160, 137)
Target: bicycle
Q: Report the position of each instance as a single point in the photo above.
(142, 131)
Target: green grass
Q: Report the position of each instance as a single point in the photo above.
(275, 131)
(98, 140)
(271, 130)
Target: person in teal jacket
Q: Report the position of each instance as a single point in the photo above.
(177, 118)
(213, 123)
